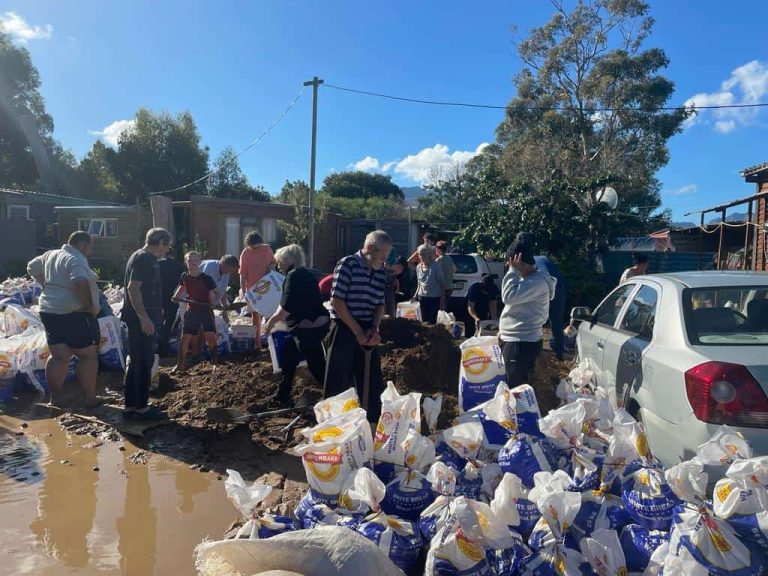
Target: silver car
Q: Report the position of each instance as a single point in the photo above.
(684, 353)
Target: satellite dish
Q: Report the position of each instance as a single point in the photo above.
(608, 196)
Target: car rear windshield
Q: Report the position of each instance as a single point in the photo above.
(465, 264)
(728, 315)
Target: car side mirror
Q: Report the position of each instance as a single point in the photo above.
(581, 314)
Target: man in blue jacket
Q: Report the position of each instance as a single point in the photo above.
(557, 304)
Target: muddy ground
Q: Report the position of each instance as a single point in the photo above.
(414, 356)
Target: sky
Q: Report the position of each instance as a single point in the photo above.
(236, 66)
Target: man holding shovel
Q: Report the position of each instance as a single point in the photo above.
(357, 301)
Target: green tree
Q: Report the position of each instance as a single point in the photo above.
(296, 193)
(588, 103)
(160, 152)
(228, 180)
(369, 208)
(29, 155)
(96, 174)
(357, 184)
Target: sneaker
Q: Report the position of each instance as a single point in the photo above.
(153, 413)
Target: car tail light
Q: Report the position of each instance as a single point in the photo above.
(723, 393)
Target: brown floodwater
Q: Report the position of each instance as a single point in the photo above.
(58, 515)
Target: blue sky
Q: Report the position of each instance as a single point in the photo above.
(236, 65)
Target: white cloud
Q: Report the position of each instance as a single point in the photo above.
(418, 167)
(110, 134)
(367, 164)
(747, 84)
(18, 29)
(683, 190)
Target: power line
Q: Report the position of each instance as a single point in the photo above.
(542, 108)
(251, 145)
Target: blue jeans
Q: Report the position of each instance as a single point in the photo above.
(557, 325)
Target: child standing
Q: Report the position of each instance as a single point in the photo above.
(197, 289)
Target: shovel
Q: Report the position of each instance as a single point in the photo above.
(367, 350)
(235, 306)
(235, 416)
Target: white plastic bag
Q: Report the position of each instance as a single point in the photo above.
(17, 319)
(464, 440)
(334, 449)
(246, 501)
(511, 503)
(264, 296)
(111, 354)
(409, 311)
(399, 415)
(342, 403)
(471, 529)
(362, 493)
(442, 478)
(276, 340)
(482, 368)
(418, 451)
(725, 446)
(432, 407)
(603, 551)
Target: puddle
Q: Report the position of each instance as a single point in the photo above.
(70, 505)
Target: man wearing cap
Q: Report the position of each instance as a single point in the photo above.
(526, 293)
(481, 299)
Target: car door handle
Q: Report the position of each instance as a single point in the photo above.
(600, 346)
(631, 357)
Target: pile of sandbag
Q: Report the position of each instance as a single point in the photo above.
(23, 346)
(506, 491)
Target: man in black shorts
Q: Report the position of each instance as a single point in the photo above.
(198, 291)
(143, 314)
(69, 304)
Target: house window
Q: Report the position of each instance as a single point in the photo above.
(269, 230)
(98, 227)
(18, 211)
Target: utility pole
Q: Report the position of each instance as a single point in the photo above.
(315, 83)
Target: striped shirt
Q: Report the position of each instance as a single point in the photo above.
(361, 288)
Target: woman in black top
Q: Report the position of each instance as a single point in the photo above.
(301, 308)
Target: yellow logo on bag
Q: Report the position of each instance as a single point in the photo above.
(474, 553)
(262, 286)
(642, 445)
(5, 362)
(510, 425)
(475, 361)
(346, 502)
(331, 457)
(350, 404)
(723, 491)
(394, 524)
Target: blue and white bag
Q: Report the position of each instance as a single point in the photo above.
(526, 455)
(511, 504)
(481, 370)
(408, 495)
(111, 353)
(397, 538)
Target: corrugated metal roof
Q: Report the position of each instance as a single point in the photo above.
(53, 198)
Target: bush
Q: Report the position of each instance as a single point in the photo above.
(584, 286)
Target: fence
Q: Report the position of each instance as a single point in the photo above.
(615, 263)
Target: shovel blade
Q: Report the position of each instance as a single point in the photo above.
(225, 415)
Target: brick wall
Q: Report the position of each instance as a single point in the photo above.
(762, 218)
(207, 218)
(109, 252)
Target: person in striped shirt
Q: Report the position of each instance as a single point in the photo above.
(357, 306)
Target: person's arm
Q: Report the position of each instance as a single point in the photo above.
(340, 307)
(36, 269)
(134, 293)
(516, 291)
(472, 312)
(374, 338)
(280, 315)
(413, 259)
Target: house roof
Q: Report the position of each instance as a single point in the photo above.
(750, 173)
(47, 198)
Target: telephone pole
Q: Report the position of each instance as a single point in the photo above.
(315, 83)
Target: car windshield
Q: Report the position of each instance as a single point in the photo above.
(465, 264)
(727, 315)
